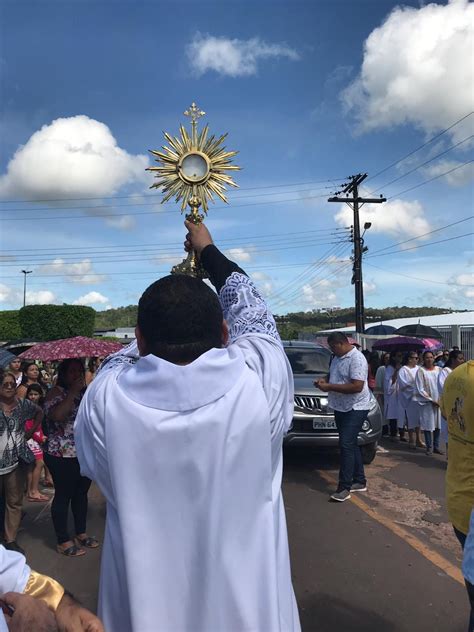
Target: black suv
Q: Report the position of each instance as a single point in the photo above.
(313, 420)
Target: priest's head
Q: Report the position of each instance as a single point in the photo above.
(179, 319)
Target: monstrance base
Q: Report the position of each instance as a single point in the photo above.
(190, 267)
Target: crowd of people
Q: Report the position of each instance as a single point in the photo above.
(38, 407)
(211, 550)
(408, 387)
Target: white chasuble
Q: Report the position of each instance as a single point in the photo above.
(189, 459)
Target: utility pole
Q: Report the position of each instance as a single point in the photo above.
(355, 203)
(25, 272)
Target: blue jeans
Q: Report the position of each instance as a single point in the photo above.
(428, 442)
(349, 425)
(469, 587)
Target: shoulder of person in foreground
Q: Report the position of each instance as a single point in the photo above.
(38, 602)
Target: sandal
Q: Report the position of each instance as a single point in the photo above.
(71, 551)
(89, 542)
(38, 499)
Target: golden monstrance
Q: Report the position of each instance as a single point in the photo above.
(192, 170)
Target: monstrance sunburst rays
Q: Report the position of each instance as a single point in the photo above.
(171, 176)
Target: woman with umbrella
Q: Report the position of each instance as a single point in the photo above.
(61, 406)
(427, 396)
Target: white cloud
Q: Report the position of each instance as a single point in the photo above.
(125, 222)
(417, 69)
(263, 281)
(233, 57)
(82, 272)
(12, 296)
(40, 297)
(369, 287)
(71, 157)
(465, 279)
(457, 178)
(239, 254)
(91, 298)
(397, 218)
(318, 295)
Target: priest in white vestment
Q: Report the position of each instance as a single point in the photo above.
(183, 434)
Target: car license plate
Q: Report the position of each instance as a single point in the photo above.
(324, 424)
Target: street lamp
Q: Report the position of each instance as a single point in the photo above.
(25, 272)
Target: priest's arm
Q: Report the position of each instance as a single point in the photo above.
(35, 601)
(251, 327)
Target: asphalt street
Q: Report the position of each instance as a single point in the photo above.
(384, 560)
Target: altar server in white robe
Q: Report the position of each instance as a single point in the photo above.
(455, 359)
(183, 434)
(390, 394)
(427, 396)
(37, 603)
(408, 407)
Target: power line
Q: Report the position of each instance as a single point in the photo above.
(430, 180)
(164, 254)
(431, 232)
(393, 164)
(133, 273)
(407, 276)
(424, 163)
(157, 195)
(431, 243)
(310, 269)
(97, 215)
(135, 204)
(238, 239)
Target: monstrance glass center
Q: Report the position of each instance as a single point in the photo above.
(194, 167)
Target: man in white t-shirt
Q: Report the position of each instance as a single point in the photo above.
(350, 398)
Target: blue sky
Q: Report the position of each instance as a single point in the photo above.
(309, 92)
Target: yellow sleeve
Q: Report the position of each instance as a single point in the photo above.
(45, 588)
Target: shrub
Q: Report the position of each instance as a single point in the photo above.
(9, 325)
(53, 322)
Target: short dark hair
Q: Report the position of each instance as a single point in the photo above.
(62, 370)
(337, 337)
(180, 318)
(453, 356)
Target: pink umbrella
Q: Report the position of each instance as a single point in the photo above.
(431, 344)
(78, 347)
(399, 343)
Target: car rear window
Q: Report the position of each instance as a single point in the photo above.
(308, 360)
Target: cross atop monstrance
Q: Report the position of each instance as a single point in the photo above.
(192, 170)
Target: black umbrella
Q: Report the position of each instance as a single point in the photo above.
(380, 330)
(419, 331)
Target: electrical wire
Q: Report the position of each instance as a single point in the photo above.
(142, 195)
(393, 164)
(431, 243)
(110, 215)
(461, 142)
(431, 232)
(407, 276)
(135, 204)
(430, 180)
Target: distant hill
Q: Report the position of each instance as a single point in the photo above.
(315, 319)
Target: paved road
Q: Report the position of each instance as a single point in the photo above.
(354, 564)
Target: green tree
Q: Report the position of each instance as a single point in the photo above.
(53, 322)
(9, 325)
